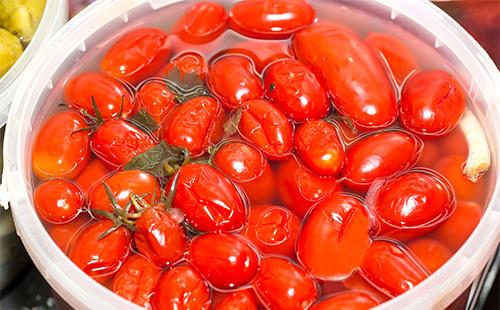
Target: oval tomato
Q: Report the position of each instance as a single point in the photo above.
(156, 98)
(94, 172)
(262, 52)
(187, 63)
(358, 283)
(239, 300)
(58, 200)
(64, 234)
(432, 253)
(349, 300)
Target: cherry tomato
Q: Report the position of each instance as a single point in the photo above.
(266, 127)
(63, 234)
(262, 52)
(111, 96)
(349, 300)
(379, 155)
(226, 261)
(247, 167)
(336, 227)
(295, 90)
(319, 147)
(270, 19)
(358, 283)
(359, 87)
(432, 253)
(453, 142)
(156, 98)
(233, 80)
(187, 63)
(59, 150)
(136, 280)
(430, 154)
(208, 199)
(432, 103)
(137, 55)
(181, 287)
(58, 200)
(95, 171)
(239, 300)
(282, 285)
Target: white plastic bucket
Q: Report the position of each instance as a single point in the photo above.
(469, 62)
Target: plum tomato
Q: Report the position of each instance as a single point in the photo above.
(273, 229)
(357, 283)
(117, 142)
(60, 150)
(359, 88)
(181, 287)
(432, 103)
(210, 201)
(203, 22)
(58, 200)
(295, 90)
(233, 80)
(155, 97)
(281, 284)
(391, 268)
(64, 234)
(262, 52)
(226, 261)
(348, 300)
(94, 172)
(270, 19)
(339, 227)
(187, 63)
(137, 55)
(378, 155)
(239, 300)
(432, 253)
(136, 280)
(195, 125)
(112, 98)
(247, 167)
(319, 147)
(267, 128)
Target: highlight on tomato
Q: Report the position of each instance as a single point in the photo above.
(58, 200)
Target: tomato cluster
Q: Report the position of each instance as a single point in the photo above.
(264, 177)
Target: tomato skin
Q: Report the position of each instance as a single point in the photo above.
(357, 283)
(233, 80)
(187, 63)
(295, 90)
(257, 18)
(239, 300)
(262, 52)
(349, 300)
(181, 287)
(63, 234)
(58, 200)
(210, 202)
(156, 98)
(94, 172)
(432, 103)
(432, 253)
(137, 55)
(280, 284)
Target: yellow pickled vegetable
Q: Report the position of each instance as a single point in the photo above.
(21, 17)
(10, 50)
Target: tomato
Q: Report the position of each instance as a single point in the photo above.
(379, 155)
(64, 234)
(357, 283)
(226, 261)
(432, 103)
(282, 285)
(136, 280)
(349, 300)
(430, 154)
(59, 151)
(273, 229)
(203, 22)
(137, 55)
(295, 90)
(432, 253)
(270, 19)
(111, 97)
(233, 80)
(262, 52)
(95, 171)
(187, 63)
(453, 142)
(239, 300)
(156, 98)
(247, 167)
(359, 87)
(336, 227)
(210, 201)
(195, 125)
(117, 142)
(182, 287)
(391, 268)
(58, 200)
(266, 127)
(319, 147)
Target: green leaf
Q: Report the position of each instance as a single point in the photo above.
(272, 87)
(190, 231)
(184, 80)
(144, 121)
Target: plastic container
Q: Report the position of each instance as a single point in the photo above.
(103, 21)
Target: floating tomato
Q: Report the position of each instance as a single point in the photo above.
(349, 300)
(187, 63)
(432, 253)
(58, 200)
(239, 300)
(94, 172)
(156, 98)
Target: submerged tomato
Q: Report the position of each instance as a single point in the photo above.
(262, 52)
(64, 234)
(94, 172)
(156, 98)
(357, 283)
(432, 253)
(187, 63)
(58, 200)
(239, 300)
(349, 300)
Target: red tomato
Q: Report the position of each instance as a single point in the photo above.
(208, 199)
(266, 127)
(273, 229)
(282, 285)
(63, 234)
(137, 55)
(181, 287)
(359, 87)
(58, 200)
(59, 151)
(226, 261)
(136, 280)
(453, 142)
(117, 142)
(187, 63)
(156, 98)
(95, 171)
(336, 227)
(110, 96)
(239, 300)
(380, 155)
(195, 125)
(432, 253)
(233, 80)
(432, 103)
(391, 268)
(247, 167)
(358, 283)
(295, 90)
(203, 22)
(319, 147)
(270, 19)
(430, 154)
(349, 300)
(262, 52)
